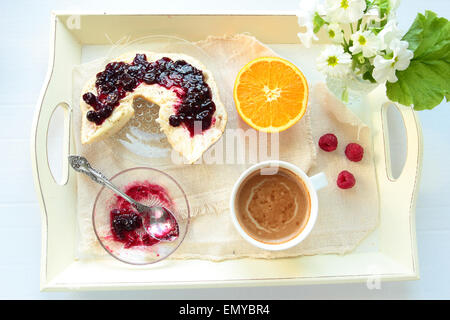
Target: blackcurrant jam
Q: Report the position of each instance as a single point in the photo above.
(195, 110)
(126, 223)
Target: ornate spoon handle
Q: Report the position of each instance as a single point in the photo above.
(80, 164)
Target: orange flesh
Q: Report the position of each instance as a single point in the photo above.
(271, 94)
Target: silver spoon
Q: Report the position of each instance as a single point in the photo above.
(158, 221)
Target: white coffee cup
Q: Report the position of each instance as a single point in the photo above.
(312, 184)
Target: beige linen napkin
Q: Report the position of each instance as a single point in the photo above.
(345, 217)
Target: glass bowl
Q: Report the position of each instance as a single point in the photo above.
(164, 187)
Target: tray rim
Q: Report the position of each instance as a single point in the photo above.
(52, 285)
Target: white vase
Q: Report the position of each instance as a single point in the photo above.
(352, 91)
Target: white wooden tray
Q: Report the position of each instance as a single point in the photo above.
(389, 253)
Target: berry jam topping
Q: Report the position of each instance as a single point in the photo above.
(123, 221)
(126, 222)
(195, 111)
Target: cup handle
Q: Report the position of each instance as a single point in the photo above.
(319, 181)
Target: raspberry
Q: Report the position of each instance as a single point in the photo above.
(345, 180)
(328, 142)
(354, 152)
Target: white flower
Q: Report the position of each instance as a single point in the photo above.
(305, 15)
(345, 11)
(394, 4)
(335, 32)
(308, 8)
(385, 68)
(389, 33)
(366, 42)
(308, 36)
(334, 62)
(372, 17)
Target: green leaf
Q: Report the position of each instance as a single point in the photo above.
(429, 35)
(388, 55)
(318, 22)
(425, 82)
(423, 85)
(376, 30)
(368, 75)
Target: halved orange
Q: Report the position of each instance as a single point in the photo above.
(271, 94)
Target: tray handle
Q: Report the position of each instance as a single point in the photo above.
(409, 175)
(50, 101)
(65, 51)
(397, 195)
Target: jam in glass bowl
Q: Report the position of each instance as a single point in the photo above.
(118, 225)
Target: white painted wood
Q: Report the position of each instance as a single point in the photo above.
(396, 258)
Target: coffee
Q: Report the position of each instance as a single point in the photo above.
(273, 208)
